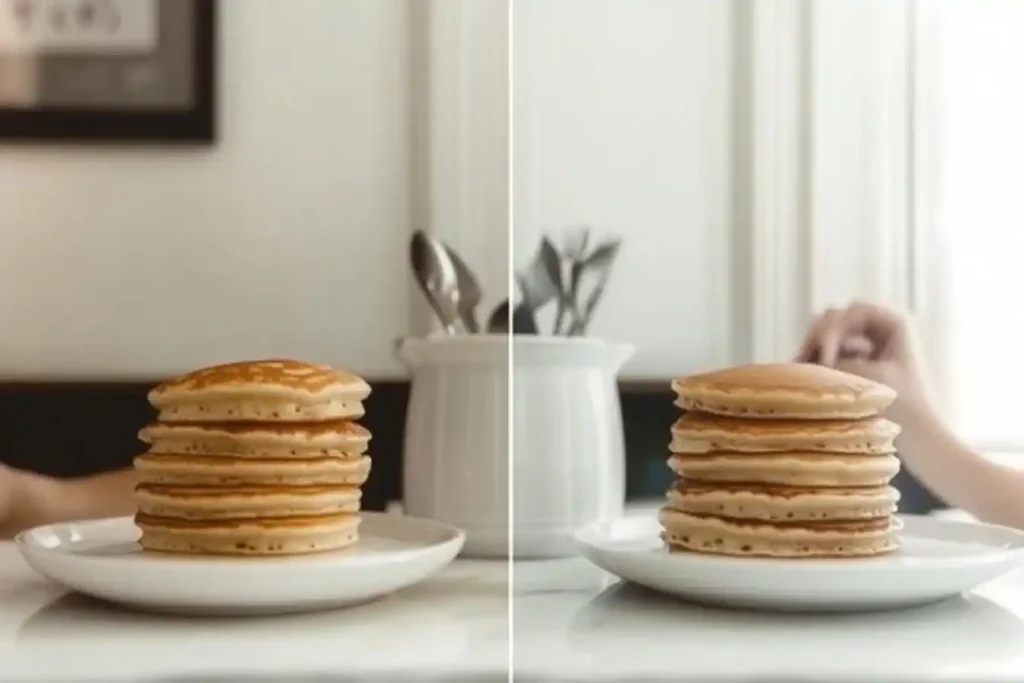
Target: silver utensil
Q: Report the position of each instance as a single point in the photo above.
(498, 321)
(523, 320)
(520, 317)
(575, 251)
(600, 262)
(470, 293)
(537, 284)
(436, 276)
(548, 255)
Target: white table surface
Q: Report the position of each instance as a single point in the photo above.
(572, 622)
(452, 627)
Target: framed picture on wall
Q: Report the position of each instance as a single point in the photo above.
(108, 71)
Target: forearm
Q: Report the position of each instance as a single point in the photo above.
(960, 476)
(45, 500)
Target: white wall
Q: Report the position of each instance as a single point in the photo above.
(622, 118)
(288, 238)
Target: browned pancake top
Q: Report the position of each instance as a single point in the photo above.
(695, 423)
(687, 486)
(799, 378)
(853, 526)
(345, 428)
(247, 490)
(279, 372)
(229, 462)
(775, 455)
(272, 522)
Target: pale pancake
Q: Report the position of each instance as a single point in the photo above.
(294, 536)
(719, 536)
(783, 390)
(782, 503)
(173, 468)
(275, 390)
(700, 433)
(244, 502)
(340, 439)
(794, 469)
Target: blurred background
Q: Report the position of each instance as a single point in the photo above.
(765, 159)
(187, 182)
(184, 182)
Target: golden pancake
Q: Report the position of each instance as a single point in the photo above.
(173, 468)
(244, 502)
(721, 536)
(274, 390)
(783, 390)
(336, 438)
(254, 537)
(794, 469)
(782, 503)
(701, 433)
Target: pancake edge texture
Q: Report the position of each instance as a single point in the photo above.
(255, 538)
(265, 390)
(792, 469)
(696, 433)
(716, 536)
(783, 390)
(783, 503)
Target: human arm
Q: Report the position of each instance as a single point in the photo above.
(28, 499)
(880, 344)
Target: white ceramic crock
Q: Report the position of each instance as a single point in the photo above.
(456, 459)
(566, 445)
(569, 459)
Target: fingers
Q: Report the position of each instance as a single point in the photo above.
(882, 326)
(861, 329)
(862, 367)
(822, 342)
(856, 347)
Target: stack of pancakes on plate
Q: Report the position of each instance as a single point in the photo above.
(254, 458)
(782, 460)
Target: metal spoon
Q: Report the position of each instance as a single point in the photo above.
(521, 319)
(498, 322)
(470, 293)
(436, 276)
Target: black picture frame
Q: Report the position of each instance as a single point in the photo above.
(196, 125)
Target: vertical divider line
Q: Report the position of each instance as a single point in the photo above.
(511, 347)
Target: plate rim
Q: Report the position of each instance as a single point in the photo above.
(992, 556)
(451, 536)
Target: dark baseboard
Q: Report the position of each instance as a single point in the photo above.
(74, 429)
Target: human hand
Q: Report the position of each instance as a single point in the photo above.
(877, 343)
(24, 500)
(8, 504)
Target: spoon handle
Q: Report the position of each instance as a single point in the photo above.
(469, 321)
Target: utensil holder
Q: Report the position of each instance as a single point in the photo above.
(456, 459)
(568, 466)
(569, 463)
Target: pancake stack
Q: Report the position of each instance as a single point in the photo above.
(782, 460)
(254, 458)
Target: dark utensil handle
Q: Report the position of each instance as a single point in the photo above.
(499, 321)
(523, 321)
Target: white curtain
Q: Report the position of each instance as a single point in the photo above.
(970, 128)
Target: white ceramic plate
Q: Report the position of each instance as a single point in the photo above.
(101, 558)
(939, 559)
